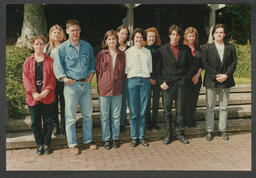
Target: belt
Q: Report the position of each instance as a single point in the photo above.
(39, 82)
(81, 80)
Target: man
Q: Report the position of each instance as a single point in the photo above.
(175, 68)
(74, 64)
(219, 61)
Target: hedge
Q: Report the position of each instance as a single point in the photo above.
(15, 58)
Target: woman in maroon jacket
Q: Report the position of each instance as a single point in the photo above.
(39, 82)
(110, 73)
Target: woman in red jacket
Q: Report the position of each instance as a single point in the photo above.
(110, 72)
(39, 82)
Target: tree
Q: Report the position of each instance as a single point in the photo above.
(34, 23)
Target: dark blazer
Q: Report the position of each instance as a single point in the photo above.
(213, 65)
(172, 71)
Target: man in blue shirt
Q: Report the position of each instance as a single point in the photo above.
(74, 64)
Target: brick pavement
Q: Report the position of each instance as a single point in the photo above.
(200, 154)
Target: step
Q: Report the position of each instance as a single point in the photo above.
(235, 111)
(25, 139)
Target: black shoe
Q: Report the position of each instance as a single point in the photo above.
(209, 136)
(182, 139)
(134, 143)
(116, 144)
(47, 149)
(167, 139)
(224, 135)
(122, 129)
(40, 150)
(55, 131)
(144, 142)
(107, 145)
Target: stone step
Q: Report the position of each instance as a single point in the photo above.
(25, 139)
(235, 111)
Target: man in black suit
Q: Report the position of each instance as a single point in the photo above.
(219, 61)
(174, 69)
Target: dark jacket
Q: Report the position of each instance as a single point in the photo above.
(213, 65)
(155, 60)
(110, 83)
(172, 71)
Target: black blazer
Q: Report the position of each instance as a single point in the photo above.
(213, 65)
(172, 71)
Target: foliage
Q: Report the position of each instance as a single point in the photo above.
(243, 52)
(15, 91)
(241, 19)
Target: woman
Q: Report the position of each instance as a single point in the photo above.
(219, 61)
(56, 37)
(39, 82)
(153, 42)
(138, 69)
(110, 73)
(192, 87)
(123, 34)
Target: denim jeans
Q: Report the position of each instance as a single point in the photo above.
(138, 89)
(211, 95)
(78, 93)
(124, 103)
(174, 93)
(110, 108)
(38, 112)
(59, 97)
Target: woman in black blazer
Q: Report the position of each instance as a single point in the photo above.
(193, 85)
(219, 61)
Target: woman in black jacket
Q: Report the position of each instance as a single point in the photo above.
(193, 85)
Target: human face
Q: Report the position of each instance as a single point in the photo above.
(174, 38)
(191, 38)
(56, 35)
(74, 32)
(122, 35)
(111, 41)
(219, 35)
(151, 38)
(138, 40)
(38, 46)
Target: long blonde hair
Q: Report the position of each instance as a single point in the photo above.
(62, 35)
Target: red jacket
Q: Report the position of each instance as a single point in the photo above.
(49, 80)
(110, 83)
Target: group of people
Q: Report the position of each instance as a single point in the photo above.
(126, 76)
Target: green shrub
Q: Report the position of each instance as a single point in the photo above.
(15, 90)
(243, 52)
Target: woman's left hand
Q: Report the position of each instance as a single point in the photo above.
(44, 93)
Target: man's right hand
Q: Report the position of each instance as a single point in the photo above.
(68, 81)
(164, 86)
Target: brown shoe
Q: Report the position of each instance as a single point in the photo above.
(93, 146)
(75, 150)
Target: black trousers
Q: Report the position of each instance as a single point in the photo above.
(174, 93)
(190, 101)
(38, 112)
(155, 89)
(59, 99)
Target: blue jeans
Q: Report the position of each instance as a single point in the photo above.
(110, 108)
(124, 104)
(78, 93)
(138, 89)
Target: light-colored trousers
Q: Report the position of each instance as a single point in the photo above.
(211, 95)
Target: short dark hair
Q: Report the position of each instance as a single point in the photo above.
(72, 22)
(218, 26)
(39, 37)
(141, 31)
(177, 28)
